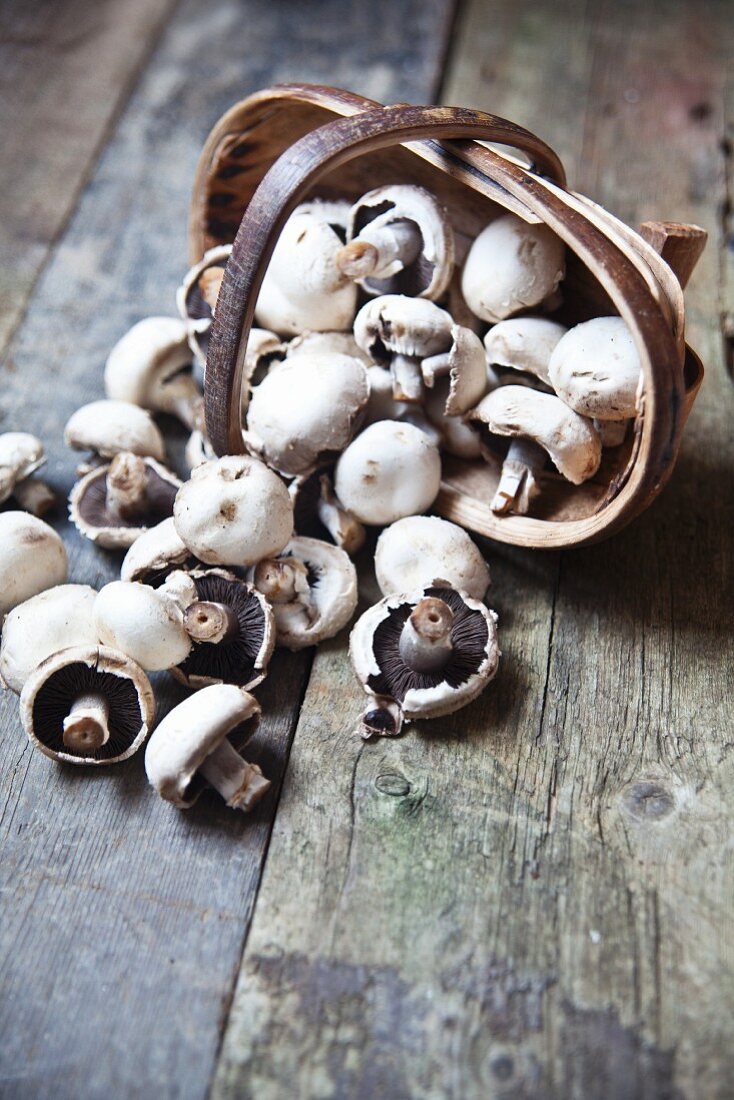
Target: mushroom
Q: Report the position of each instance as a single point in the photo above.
(464, 366)
(381, 405)
(233, 511)
(596, 369)
(155, 553)
(151, 367)
(303, 287)
(142, 622)
(335, 212)
(113, 504)
(539, 425)
(198, 745)
(422, 655)
(400, 242)
(456, 437)
(318, 514)
(42, 625)
(106, 428)
(398, 332)
(196, 297)
(87, 705)
(312, 588)
(523, 346)
(305, 410)
(389, 471)
(21, 454)
(511, 266)
(413, 551)
(263, 349)
(32, 558)
(231, 625)
(326, 343)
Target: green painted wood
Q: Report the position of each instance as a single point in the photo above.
(532, 899)
(123, 921)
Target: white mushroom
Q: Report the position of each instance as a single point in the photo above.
(511, 266)
(150, 367)
(197, 745)
(596, 369)
(399, 332)
(522, 346)
(321, 343)
(113, 504)
(412, 552)
(389, 471)
(155, 553)
(318, 514)
(264, 349)
(457, 438)
(305, 409)
(234, 511)
(42, 625)
(32, 558)
(108, 427)
(143, 623)
(197, 296)
(21, 454)
(464, 367)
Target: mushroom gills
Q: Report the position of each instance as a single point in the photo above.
(518, 485)
(240, 783)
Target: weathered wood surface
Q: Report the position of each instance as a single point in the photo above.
(123, 921)
(533, 898)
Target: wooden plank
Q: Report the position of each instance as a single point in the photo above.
(531, 899)
(66, 70)
(124, 920)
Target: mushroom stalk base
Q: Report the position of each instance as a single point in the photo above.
(240, 783)
(86, 726)
(381, 251)
(518, 485)
(425, 641)
(407, 379)
(206, 621)
(346, 531)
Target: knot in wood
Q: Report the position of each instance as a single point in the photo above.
(393, 783)
(648, 800)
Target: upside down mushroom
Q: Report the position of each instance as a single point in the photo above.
(115, 503)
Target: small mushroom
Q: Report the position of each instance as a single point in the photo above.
(422, 655)
(306, 410)
(389, 471)
(318, 514)
(87, 705)
(231, 625)
(511, 266)
(197, 745)
(151, 367)
(400, 242)
(312, 589)
(234, 511)
(142, 622)
(520, 348)
(41, 626)
(156, 553)
(540, 425)
(413, 551)
(596, 369)
(21, 454)
(113, 504)
(32, 558)
(399, 332)
(465, 368)
(196, 297)
(303, 287)
(106, 428)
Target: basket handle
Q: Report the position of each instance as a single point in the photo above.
(283, 187)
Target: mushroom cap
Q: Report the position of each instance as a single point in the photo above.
(91, 516)
(32, 558)
(303, 288)
(335, 212)
(321, 343)
(511, 266)
(109, 427)
(414, 551)
(55, 619)
(53, 686)
(242, 660)
(467, 372)
(396, 325)
(146, 366)
(523, 344)
(389, 471)
(154, 554)
(143, 623)
(192, 306)
(305, 410)
(428, 276)
(191, 732)
(332, 581)
(21, 454)
(374, 642)
(571, 441)
(596, 369)
(233, 511)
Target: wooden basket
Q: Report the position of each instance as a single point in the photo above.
(276, 148)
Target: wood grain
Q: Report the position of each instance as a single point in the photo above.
(532, 899)
(123, 920)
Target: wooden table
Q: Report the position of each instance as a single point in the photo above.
(530, 899)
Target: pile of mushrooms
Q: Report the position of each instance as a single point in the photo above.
(376, 353)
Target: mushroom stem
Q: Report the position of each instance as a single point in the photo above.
(127, 486)
(282, 580)
(209, 283)
(34, 496)
(181, 398)
(380, 251)
(206, 621)
(435, 366)
(382, 718)
(425, 641)
(346, 531)
(518, 484)
(612, 432)
(240, 783)
(407, 379)
(86, 726)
